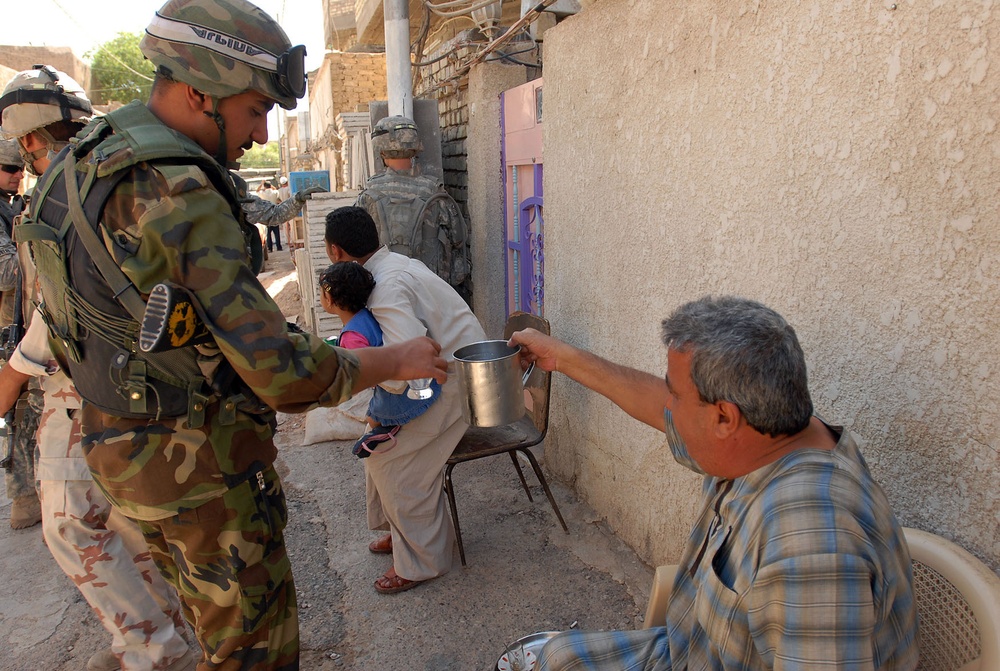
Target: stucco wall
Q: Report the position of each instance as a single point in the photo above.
(838, 161)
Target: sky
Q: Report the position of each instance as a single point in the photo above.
(85, 24)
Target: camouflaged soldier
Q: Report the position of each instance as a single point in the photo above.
(261, 211)
(11, 205)
(102, 552)
(182, 440)
(18, 440)
(415, 216)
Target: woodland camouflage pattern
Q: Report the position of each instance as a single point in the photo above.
(165, 221)
(213, 72)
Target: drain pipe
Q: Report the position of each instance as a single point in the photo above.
(397, 57)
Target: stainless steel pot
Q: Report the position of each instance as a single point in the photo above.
(491, 382)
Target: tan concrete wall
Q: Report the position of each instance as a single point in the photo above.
(61, 58)
(837, 161)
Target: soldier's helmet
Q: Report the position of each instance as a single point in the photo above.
(39, 97)
(396, 137)
(224, 48)
(9, 153)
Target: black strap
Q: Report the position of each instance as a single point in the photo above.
(124, 291)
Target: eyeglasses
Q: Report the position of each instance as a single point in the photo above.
(11, 169)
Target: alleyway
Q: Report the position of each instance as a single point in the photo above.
(524, 574)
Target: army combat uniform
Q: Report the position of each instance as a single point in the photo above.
(416, 217)
(20, 477)
(183, 445)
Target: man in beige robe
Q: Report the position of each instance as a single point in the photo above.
(404, 481)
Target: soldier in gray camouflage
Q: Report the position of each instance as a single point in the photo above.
(19, 479)
(182, 441)
(414, 213)
(260, 211)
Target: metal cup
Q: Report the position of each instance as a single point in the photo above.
(491, 383)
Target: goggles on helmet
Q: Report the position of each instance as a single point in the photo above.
(403, 126)
(289, 68)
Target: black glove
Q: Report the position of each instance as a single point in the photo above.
(303, 194)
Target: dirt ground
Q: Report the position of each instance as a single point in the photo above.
(524, 573)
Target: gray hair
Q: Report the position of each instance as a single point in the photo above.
(745, 353)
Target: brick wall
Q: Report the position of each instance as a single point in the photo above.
(439, 81)
(356, 80)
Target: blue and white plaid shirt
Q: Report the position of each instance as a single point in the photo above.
(800, 564)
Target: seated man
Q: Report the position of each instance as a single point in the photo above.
(796, 560)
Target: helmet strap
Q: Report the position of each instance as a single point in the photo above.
(221, 153)
(29, 157)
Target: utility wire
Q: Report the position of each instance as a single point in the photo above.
(101, 47)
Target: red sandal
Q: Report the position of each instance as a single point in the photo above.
(381, 546)
(390, 584)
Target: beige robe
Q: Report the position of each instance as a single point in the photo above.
(404, 484)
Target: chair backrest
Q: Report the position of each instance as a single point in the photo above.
(958, 606)
(536, 391)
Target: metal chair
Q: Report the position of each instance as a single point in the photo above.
(528, 431)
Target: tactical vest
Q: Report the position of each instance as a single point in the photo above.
(417, 218)
(90, 307)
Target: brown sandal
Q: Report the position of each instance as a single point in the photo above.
(395, 583)
(381, 546)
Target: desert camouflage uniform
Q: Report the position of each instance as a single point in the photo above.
(205, 493)
(395, 199)
(100, 550)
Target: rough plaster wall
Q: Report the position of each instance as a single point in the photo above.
(838, 161)
(488, 245)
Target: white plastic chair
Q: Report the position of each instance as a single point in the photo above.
(958, 605)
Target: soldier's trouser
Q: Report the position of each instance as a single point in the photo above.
(20, 479)
(227, 560)
(104, 554)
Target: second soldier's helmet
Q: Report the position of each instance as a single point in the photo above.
(9, 153)
(224, 48)
(396, 137)
(39, 97)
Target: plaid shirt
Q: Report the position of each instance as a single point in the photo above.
(800, 564)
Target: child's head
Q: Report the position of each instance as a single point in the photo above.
(345, 285)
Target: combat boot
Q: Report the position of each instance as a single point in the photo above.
(25, 511)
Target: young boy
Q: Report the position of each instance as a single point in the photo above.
(344, 291)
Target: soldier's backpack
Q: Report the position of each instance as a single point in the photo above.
(423, 223)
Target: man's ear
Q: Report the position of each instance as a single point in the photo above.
(334, 252)
(728, 419)
(196, 100)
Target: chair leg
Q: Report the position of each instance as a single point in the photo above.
(545, 486)
(450, 491)
(520, 474)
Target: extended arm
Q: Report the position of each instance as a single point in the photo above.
(640, 394)
(260, 211)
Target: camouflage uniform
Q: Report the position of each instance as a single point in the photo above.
(415, 215)
(100, 550)
(203, 489)
(20, 477)
(261, 211)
